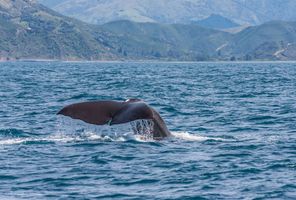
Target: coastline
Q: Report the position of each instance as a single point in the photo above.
(144, 61)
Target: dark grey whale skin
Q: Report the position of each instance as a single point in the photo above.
(115, 112)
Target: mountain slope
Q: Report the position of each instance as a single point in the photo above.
(274, 40)
(189, 42)
(270, 41)
(250, 12)
(30, 30)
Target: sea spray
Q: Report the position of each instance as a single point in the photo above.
(138, 129)
(143, 129)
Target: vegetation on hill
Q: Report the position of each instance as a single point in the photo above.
(270, 41)
(30, 30)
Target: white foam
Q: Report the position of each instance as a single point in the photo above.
(63, 138)
(12, 141)
(194, 137)
(142, 138)
(189, 137)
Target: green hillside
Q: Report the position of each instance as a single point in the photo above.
(185, 42)
(30, 30)
(266, 42)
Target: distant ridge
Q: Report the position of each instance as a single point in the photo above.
(244, 12)
(216, 22)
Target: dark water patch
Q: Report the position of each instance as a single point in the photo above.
(14, 133)
(80, 96)
(117, 196)
(165, 165)
(279, 166)
(7, 177)
(234, 155)
(248, 171)
(136, 182)
(213, 141)
(124, 158)
(197, 197)
(263, 119)
(289, 186)
(100, 161)
(242, 146)
(244, 129)
(38, 142)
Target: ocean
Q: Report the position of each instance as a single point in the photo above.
(233, 126)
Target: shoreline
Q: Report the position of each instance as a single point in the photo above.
(144, 61)
(122, 60)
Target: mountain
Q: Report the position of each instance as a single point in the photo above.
(30, 30)
(216, 22)
(274, 40)
(185, 42)
(244, 12)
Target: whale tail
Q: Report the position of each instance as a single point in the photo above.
(113, 112)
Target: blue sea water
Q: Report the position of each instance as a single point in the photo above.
(233, 125)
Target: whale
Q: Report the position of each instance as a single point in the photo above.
(117, 112)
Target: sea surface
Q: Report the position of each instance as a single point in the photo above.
(233, 126)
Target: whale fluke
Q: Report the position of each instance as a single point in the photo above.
(115, 112)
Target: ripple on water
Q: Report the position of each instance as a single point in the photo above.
(233, 127)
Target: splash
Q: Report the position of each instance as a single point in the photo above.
(69, 131)
(143, 129)
(135, 130)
